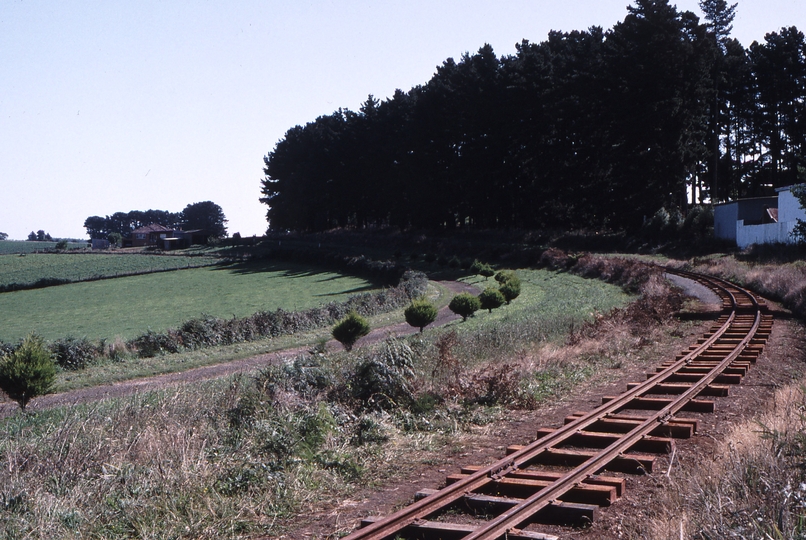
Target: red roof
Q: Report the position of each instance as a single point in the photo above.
(153, 227)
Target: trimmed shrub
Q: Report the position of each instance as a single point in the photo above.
(491, 299)
(350, 329)
(482, 269)
(74, 353)
(511, 290)
(28, 372)
(503, 276)
(464, 304)
(420, 313)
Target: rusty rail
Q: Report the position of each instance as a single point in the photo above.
(723, 356)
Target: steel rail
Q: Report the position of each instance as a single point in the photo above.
(519, 514)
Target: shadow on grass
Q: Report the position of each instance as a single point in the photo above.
(296, 270)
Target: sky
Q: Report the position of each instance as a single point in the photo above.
(111, 105)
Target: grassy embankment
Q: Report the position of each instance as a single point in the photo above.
(236, 457)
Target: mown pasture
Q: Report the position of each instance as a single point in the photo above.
(128, 306)
(21, 246)
(36, 267)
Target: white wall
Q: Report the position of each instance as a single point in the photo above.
(789, 211)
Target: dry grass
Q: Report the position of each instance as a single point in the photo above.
(785, 283)
(754, 487)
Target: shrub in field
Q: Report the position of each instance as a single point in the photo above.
(350, 329)
(482, 269)
(27, 372)
(491, 299)
(502, 276)
(511, 290)
(305, 375)
(383, 379)
(155, 343)
(420, 313)
(464, 304)
(74, 353)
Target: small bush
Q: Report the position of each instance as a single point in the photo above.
(506, 275)
(153, 343)
(28, 372)
(491, 299)
(420, 313)
(482, 269)
(510, 290)
(465, 305)
(350, 329)
(382, 380)
(74, 353)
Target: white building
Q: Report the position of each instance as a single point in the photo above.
(763, 220)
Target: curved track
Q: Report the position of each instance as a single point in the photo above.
(557, 478)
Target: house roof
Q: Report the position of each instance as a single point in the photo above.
(152, 227)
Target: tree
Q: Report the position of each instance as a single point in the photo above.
(96, 227)
(3, 236)
(799, 233)
(350, 329)
(28, 372)
(32, 236)
(205, 215)
(491, 299)
(420, 313)
(464, 304)
(114, 238)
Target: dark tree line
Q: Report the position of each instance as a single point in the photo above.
(585, 129)
(202, 215)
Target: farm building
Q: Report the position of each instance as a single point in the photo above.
(151, 235)
(762, 220)
(161, 237)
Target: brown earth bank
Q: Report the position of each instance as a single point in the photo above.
(781, 363)
(126, 388)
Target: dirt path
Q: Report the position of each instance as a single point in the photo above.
(126, 388)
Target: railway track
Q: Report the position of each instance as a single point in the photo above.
(567, 474)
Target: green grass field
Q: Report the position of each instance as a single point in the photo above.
(549, 296)
(20, 246)
(84, 266)
(129, 306)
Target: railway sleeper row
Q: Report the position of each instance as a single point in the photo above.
(585, 442)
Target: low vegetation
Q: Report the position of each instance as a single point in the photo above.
(754, 487)
(17, 247)
(28, 371)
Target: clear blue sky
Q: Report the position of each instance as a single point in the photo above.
(110, 106)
